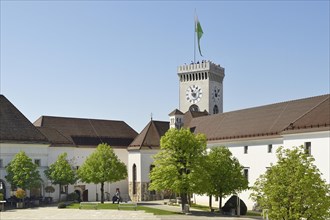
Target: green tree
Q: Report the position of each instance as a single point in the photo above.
(22, 172)
(102, 166)
(177, 163)
(293, 189)
(61, 172)
(223, 174)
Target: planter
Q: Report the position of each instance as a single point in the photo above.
(20, 205)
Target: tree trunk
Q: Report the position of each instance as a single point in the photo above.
(210, 202)
(220, 201)
(102, 192)
(183, 200)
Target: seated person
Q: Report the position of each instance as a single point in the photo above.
(116, 197)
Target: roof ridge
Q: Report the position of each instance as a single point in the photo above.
(57, 131)
(310, 110)
(89, 120)
(145, 136)
(75, 118)
(278, 117)
(276, 103)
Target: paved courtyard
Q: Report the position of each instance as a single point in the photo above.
(53, 213)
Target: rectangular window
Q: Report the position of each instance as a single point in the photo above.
(37, 162)
(246, 173)
(1, 163)
(308, 146)
(246, 149)
(270, 148)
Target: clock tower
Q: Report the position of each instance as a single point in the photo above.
(201, 87)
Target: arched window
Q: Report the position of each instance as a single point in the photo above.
(3, 188)
(194, 108)
(153, 192)
(134, 179)
(215, 109)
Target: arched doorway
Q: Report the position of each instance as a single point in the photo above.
(85, 195)
(79, 194)
(3, 188)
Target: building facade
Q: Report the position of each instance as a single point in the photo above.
(253, 135)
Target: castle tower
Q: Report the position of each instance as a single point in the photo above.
(176, 119)
(201, 87)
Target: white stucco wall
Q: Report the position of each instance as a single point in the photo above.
(147, 160)
(78, 155)
(34, 151)
(320, 148)
(134, 157)
(258, 159)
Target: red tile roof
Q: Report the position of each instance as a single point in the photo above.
(268, 120)
(86, 132)
(15, 127)
(150, 135)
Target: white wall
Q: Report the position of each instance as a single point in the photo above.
(78, 155)
(134, 157)
(147, 160)
(320, 148)
(258, 159)
(34, 151)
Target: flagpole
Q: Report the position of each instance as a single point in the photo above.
(195, 37)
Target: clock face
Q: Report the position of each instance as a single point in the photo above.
(194, 94)
(216, 94)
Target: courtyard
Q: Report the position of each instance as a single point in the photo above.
(54, 213)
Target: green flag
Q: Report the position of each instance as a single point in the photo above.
(199, 32)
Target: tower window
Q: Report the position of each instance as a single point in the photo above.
(308, 146)
(215, 109)
(194, 108)
(205, 75)
(1, 163)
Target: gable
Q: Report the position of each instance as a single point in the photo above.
(15, 127)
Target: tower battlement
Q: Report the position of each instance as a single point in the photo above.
(202, 66)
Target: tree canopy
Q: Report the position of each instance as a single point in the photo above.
(102, 166)
(293, 189)
(178, 164)
(61, 171)
(22, 172)
(223, 174)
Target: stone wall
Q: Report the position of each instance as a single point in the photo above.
(142, 193)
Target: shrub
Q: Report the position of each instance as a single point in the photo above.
(1, 197)
(61, 205)
(72, 196)
(20, 193)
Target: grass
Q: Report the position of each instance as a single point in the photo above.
(153, 210)
(207, 209)
(115, 207)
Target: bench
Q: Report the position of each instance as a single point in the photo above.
(88, 205)
(127, 205)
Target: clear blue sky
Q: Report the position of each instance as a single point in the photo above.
(118, 59)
